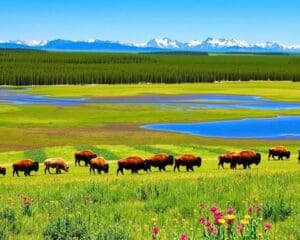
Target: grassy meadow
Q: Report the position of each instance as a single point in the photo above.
(115, 207)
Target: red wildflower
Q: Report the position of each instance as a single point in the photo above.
(268, 226)
(230, 211)
(202, 220)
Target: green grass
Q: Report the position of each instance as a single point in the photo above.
(114, 201)
(286, 91)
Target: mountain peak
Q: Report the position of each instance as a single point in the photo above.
(208, 45)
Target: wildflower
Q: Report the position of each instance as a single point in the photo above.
(250, 209)
(202, 220)
(247, 217)
(268, 226)
(202, 206)
(184, 236)
(258, 208)
(213, 209)
(230, 218)
(230, 211)
(244, 222)
(240, 228)
(155, 230)
(221, 221)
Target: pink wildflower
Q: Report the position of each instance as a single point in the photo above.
(155, 230)
(184, 236)
(213, 209)
(230, 211)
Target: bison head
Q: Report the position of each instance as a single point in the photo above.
(3, 171)
(35, 166)
(288, 154)
(106, 168)
(66, 167)
(146, 166)
(257, 158)
(171, 160)
(199, 161)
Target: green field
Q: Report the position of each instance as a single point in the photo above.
(48, 68)
(123, 207)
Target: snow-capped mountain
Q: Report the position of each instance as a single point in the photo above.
(158, 44)
(166, 43)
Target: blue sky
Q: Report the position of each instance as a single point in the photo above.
(138, 21)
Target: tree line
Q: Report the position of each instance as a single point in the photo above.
(48, 68)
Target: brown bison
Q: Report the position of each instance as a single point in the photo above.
(245, 158)
(132, 163)
(2, 171)
(25, 166)
(85, 156)
(299, 157)
(99, 164)
(160, 160)
(57, 163)
(225, 158)
(279, 152)
(187, 160)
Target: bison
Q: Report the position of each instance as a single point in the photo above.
(57, 163)
(25, 166)
(225, 158)
(279, 152)
(299, 157)
(245, 158)
(188, 160)
(85, 156)
(132, 163)
(100, 164)
(160, 160)
(2, 171)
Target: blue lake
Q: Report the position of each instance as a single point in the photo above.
(184, 101)
(281, 127)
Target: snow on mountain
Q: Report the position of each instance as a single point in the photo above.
(35, 43)
(158, 44)
(194, 43)
(161, 43)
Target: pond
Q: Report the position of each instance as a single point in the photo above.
(281, 127)
(185, 101)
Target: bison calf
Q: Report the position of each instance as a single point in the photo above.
(85, 156)
(245, 158)
(279, 152)
(132, 163)
(225, 158)
(2, 171)
(99, 164)
(57, 163)
(25, 166)
(160, 160)
(187, 160)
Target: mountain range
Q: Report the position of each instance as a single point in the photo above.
(158, 44)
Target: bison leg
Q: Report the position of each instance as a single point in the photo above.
(120, 170)
(245, 166)
(15, 171)
(164, 168)
(192, 168)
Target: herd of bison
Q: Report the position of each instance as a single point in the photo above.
(135, 163)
